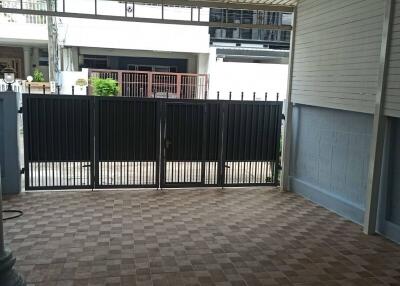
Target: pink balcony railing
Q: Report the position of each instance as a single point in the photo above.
(156, 84)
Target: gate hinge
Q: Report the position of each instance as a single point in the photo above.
(283, 117)
(22, 171)
(20, 110)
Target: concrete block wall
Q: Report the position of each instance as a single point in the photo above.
(330, 153)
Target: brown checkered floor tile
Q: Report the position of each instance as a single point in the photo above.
(237, 237)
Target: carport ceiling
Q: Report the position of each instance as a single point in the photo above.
(265, 5)
(271, 5)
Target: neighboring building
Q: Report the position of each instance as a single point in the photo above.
(275, 40)
(143, 47)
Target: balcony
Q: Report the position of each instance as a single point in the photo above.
(23, 19)
(23, 29)
(157, 84)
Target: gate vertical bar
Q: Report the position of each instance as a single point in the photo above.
(161, 150)
(94, 142)
(278, 121)
(221, 145)
(205, 142)
(158, 144)
(25, 110)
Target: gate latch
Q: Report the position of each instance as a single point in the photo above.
(22, 171)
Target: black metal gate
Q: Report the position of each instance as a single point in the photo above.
(58, 140)
(115, 142)
(126, 142)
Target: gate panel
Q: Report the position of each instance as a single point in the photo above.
(252, 143)
(183, 162)
(127, 142)
(58, 139)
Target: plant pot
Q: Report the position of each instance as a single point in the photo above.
(37, 87)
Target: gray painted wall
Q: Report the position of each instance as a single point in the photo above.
(9, 156)
(330, 153)
(336, 57)
(392, 90)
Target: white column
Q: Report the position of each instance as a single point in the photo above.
(70, 61)
(378, 132)
(287, 133)
(27, 62)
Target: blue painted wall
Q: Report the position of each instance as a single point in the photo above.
(389, 213)
(330, 154)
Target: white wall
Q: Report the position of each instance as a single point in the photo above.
(23, 33)
(132, 35)
(247, 77)
(113, 34)
(69, 79)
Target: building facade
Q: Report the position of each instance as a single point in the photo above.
(145, 47)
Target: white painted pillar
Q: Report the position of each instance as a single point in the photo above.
(70, 59)
(27, 61)
(287, 133)
(378, 131)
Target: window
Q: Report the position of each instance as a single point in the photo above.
(43, 58)
(151, 68)
(95, 62)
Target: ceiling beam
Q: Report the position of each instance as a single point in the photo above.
(219, 4)
(144, 20)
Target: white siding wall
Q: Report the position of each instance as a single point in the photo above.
(337, 51)
(392, 100)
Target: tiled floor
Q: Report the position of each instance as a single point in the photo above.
(192, 237)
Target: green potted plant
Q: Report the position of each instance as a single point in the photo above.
(37, 81)
(104, 86)
(38, 76)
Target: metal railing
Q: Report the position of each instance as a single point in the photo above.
(157, 84)
(27, 19)
(16, 87)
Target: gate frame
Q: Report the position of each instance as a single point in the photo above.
(161, 122)
(96, 148)
(224, 128)
(25, 137)
(163, 162)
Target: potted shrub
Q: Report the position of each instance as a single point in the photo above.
(104, 86)
(38, 82)
(38, 76)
